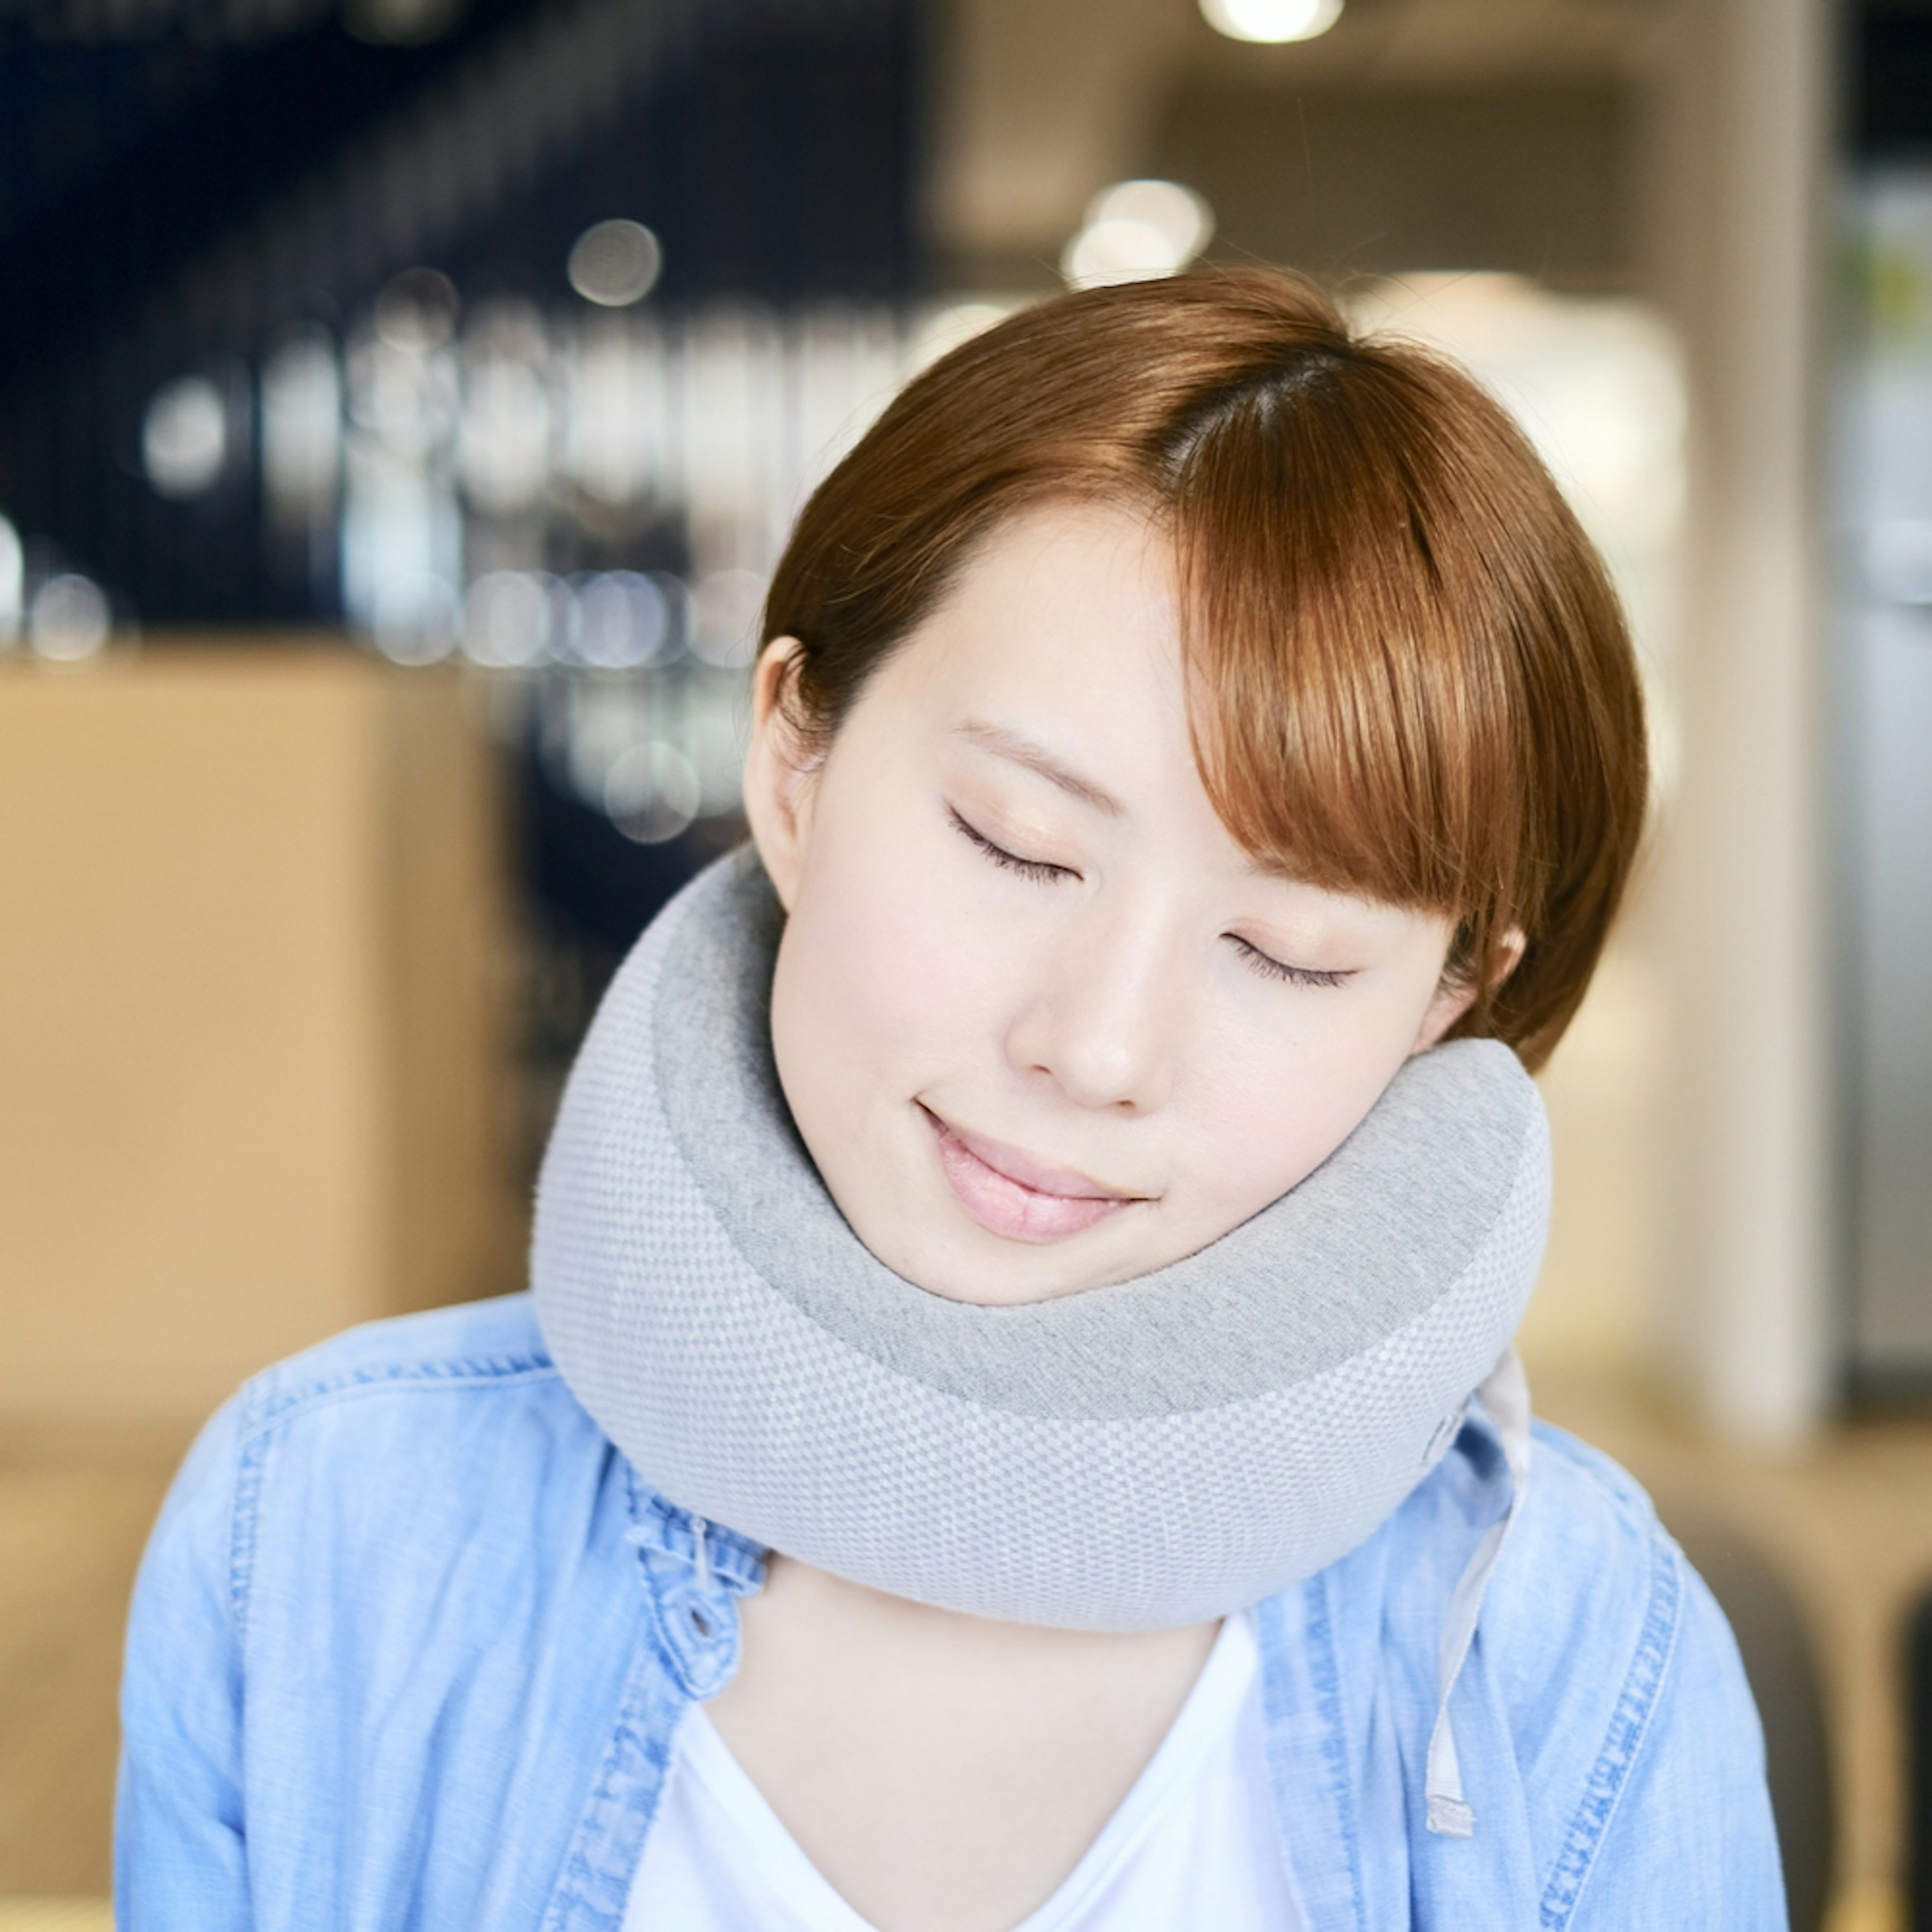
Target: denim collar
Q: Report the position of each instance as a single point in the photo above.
(693, 1572)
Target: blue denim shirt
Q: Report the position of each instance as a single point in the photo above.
(411, 1641)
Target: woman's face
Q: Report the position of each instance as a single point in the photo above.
(1042, 1023)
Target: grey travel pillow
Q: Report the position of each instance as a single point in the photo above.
(1137, 1456)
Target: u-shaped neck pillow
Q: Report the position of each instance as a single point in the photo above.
(1137, 1457)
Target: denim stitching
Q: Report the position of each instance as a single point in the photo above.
(242, 1533)
(594, 1886)
(362, 1382)
(1325, 1680)
(1629, 1724)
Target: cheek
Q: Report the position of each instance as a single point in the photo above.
(878, 977)
(1281, 1101)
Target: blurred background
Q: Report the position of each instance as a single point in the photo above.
(402, 405)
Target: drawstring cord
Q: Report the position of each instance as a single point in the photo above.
(1505, 1395)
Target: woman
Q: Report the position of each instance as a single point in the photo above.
(993, 1442)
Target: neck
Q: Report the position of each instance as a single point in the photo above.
(897, 1741)
(801, 1605)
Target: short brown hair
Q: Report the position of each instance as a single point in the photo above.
(1411, 678)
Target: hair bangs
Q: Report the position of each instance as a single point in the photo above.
(1345, 729)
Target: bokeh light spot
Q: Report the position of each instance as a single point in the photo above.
(652, 793)
(69, 619)
(184, 437)
(417, 310)
(1137, 229)
(619, 621)
(1898, 561)
(615, 263)
(12, 575)
(506, 619)
(726, 606)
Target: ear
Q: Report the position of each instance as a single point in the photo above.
(778, 794)
(1454, 997)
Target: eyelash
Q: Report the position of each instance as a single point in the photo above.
(1038, 871)
(1270, 967)
(1035, 869)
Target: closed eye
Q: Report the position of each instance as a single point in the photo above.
(1270, 967)
(1036, 869)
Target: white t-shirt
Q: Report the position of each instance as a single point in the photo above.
(1194, 1842)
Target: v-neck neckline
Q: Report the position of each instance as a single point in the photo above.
(1212, 1707)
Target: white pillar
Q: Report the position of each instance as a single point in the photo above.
(1745, 846)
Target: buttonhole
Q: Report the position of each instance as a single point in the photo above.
(700, 1623)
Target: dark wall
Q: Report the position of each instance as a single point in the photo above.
(1889, 70)
(1530, 179)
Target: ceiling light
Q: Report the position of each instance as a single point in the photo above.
(1271, 20)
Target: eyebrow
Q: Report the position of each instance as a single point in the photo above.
(1020, 750)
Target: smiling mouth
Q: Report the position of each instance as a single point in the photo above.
(1010, 1193)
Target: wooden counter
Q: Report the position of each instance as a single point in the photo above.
(253, 957)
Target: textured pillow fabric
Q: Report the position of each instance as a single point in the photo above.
(1142, 1455)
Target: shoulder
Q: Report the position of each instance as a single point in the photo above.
(388, 1417)
(415, 1435)
(1602, 1718)
(428, 1415)
(1584, 1604)
(1593, 1617)
(384, 1557)
(1590, 1573)
(1637, 1738)
(435, 1418)
(1587, 1572)
(480, 1346)
(1638, 1735)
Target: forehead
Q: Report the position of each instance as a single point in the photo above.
(1049, 547)
(1057, 593)
(1059, 634)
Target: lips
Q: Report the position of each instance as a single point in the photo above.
(1010, 1192)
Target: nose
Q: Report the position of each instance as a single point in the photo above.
(1099, 1019)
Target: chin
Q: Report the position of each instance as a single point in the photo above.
(1008, 1274)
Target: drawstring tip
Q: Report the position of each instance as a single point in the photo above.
(1451, 1818)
